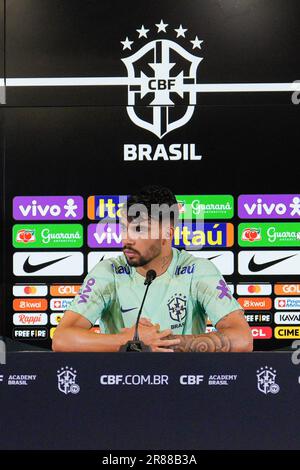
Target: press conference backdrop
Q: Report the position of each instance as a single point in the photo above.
(102, 98)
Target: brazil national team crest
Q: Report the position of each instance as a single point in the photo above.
(177, 307)
(66, 377)
(162, 74)
(266, 377)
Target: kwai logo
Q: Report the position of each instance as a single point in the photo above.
(161, 72)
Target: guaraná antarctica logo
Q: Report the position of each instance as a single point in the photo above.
(162, 76)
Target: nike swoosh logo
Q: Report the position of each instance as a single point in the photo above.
(32, 268)
(213, 257)
(124, 310)
(255, 267)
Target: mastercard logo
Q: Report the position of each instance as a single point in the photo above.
(30, 290)
(254, 289)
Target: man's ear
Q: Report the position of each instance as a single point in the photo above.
(168, 232)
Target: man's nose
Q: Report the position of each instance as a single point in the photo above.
(127, 239)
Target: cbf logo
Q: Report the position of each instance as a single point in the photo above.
(266, 380)
(177, 307)
(66, 377)
(162, 74)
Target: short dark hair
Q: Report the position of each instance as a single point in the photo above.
(158, 196)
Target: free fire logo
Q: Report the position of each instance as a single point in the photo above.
(163, 75)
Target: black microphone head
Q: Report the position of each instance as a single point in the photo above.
(150, 276)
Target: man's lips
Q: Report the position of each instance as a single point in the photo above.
(130, 252)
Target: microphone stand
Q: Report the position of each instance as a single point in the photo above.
(136, 345)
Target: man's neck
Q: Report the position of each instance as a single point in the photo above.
(160, 265)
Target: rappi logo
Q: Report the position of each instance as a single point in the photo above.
(251, 234)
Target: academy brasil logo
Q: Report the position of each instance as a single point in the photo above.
(162, 75)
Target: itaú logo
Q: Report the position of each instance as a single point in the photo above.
(163, 74)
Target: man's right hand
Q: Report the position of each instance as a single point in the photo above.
(151, 336)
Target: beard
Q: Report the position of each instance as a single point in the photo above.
(142, 260)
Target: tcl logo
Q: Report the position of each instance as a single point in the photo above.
(261, 332)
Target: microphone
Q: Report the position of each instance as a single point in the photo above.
(136, 345)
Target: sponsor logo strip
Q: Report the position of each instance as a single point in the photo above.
(64, 290)
(258, 317)
(30, 290)
(104, 235)
(261, 263)
(287, 318)
(254, 289)
(48, 208)
(55, 318)
(55, 263)
(60, 304)
(269, 206)
(191, 236)
(30, 319)
(48, 236)
(287, 289)
(205, 207)
(30, 304)
(268, 235)
(223, 260)
(105, 207)
(255, 303)
(30, 333)
(287, 303)
(261, 332)
(95, 257)
(287, 332)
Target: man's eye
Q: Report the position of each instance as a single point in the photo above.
(141, 229)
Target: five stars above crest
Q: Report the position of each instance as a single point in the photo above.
(162, 28)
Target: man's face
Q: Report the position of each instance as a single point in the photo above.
(141, 240)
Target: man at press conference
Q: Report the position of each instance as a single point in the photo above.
(182, 293)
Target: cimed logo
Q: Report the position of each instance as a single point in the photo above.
(162, 75)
